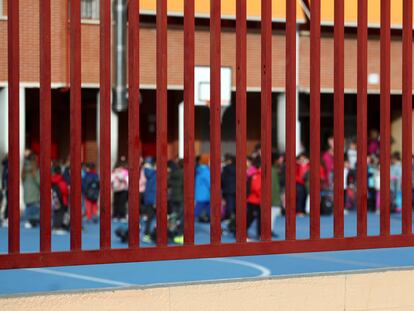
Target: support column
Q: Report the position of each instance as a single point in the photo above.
(22, 121)
(281, 124)
(4, 121)
(181, 130)
(22, 136)
(281, 121)
(298, 137)
(114, 132)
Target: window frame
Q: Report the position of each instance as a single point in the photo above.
(93, 10)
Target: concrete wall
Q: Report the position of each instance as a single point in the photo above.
(381, 290)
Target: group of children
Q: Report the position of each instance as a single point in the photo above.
(350, 177)
(148, 194)
(60, 193)
(61, 181)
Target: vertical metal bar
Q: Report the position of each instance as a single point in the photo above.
(14, 145)
(134, 144)
(105, 123)
(339, 119)
(385, 145)
(362, 81)
(241, 136)
(75, 126)
(215, 119)
(407, 42)
(266, 115)
(290, 119)
(189, 154)
(315, 38)
(162, 144)
(45, 124)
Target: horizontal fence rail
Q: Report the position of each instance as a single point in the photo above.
(135, 252)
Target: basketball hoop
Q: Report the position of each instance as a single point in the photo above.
(202, 86)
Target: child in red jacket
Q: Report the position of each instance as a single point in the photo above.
(60, 201)
(254, 195)
(302, 172)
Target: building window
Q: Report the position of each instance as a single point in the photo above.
(89, 9)
(2, 8)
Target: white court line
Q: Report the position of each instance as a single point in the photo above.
(80, 277)
(341, 261)
(263, 270)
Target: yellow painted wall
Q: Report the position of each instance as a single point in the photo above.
(228, 8)
(373, 291)
(351, 12)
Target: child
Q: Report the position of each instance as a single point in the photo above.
(373, 143)
(31, 189)
(351, 154)
(302, 169)
(349, 185)
(90, 189)
(396, 180)
(228, 186)
(202, 190)
(60, 197)
(175, 201)
(372, 175)
(150, 195)
(119, 182)
(254, 197)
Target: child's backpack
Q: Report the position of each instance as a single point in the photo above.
(249, 185)
(92, 190)
(119, 180)
(57, 199)
(326, 203)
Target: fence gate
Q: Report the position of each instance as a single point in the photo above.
(134, 253)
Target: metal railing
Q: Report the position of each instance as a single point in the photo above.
(76, 256)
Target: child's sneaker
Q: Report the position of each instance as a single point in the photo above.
(146, 238)
(179, 239)
(59, 231)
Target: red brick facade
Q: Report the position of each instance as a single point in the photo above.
(29, 42)
(327, 63)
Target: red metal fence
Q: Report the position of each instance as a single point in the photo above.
(46, 257)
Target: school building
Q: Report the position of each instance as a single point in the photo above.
(29, 73)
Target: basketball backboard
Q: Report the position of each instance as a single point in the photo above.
(202, 86)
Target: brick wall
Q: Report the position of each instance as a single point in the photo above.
(4, 6)
(202, 57)
(327, 62)
(90, 53)
(29, 42)
(3, 50)
(29, 45)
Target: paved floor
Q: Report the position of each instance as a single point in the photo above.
(120, 275)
